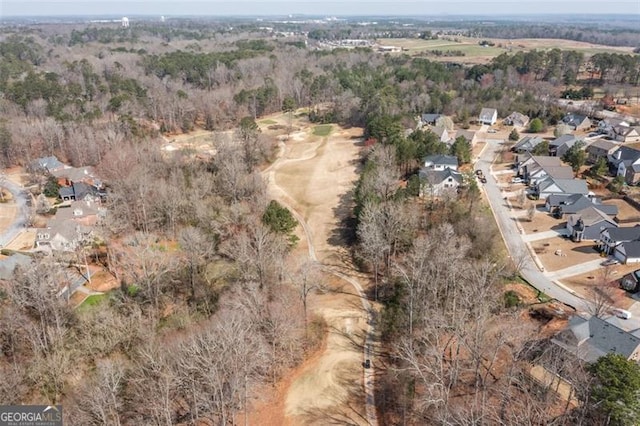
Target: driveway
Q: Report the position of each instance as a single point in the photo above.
(512, 237)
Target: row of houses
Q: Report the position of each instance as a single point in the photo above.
(81, 194)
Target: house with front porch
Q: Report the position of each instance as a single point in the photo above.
(488, 116)
(588, 223)
(610, 238)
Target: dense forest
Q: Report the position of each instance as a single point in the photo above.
(207, 309)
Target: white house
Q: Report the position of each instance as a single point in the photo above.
(439, 183)
(628, 252)
(488, 116)
(441, 162)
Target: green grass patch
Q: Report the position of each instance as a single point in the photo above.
(91, 302)
(322, 130)
(268, 121)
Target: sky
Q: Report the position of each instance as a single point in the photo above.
(315, 7)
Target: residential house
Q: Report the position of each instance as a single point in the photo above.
(592, 338)
(62, 235)
(527, 144)
(600, 148)
(628, 252)
(625, 161)
(488, 116)
(537, 173)
(610, 238)
(577, 121)
(588, 223)
(429, 119)
(566, 204)
(626, 134)
(66, 177)
(516, 119)
(441, 162)
(558, 147)
(606, 126)
(631, 281)
(78, 191)
(46, 165)
(442, 133)
(528, 162)
(439, 183)
(469, 135)
(551, 185)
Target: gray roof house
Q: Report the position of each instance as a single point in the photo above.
(527, 162)
(588, 223)
(600, 148)
(469, 135)
(625, 161)
(438, 183)
(577, 121)
(47, 164)
(589, 339)
(442, 133)
(488, 116)
(551, 185)
(526, 144)
(62, 235)
(562, 204)
(558, 147)
(628, 252)
(516, 119)
(441, 162)
(610, 238)
(536, 173)
(78, 191)
(626, 134)
(430, 119)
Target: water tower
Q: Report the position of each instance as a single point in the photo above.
(125, 22)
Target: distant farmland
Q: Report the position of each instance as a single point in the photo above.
(476, 54)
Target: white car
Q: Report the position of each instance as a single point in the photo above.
(492, 131)
(517, 180)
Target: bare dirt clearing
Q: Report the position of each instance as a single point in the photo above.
(315, 176)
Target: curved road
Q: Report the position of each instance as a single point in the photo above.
(367, 353)
(20, 221)
(512, 237)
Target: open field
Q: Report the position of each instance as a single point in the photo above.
(474, 53)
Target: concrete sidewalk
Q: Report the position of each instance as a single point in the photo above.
(544, 235)
(582, 268)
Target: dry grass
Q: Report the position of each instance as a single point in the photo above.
(542, 221)
(572, 253)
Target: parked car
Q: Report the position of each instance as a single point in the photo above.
(610, 261)
(621, 313)
(517, 180)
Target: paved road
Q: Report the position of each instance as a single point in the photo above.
(513, 239)
(20, 222)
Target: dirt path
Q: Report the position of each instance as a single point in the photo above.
(314, 177)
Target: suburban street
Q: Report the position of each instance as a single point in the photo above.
(512, 237)
(20, 220)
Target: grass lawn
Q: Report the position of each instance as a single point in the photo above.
(322, 130)
(268, 121)
(90, 302)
